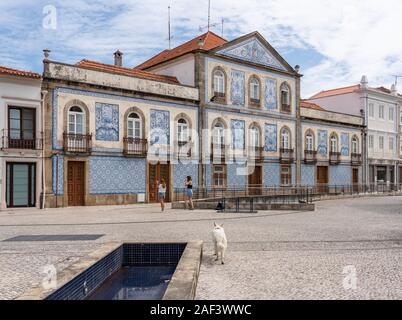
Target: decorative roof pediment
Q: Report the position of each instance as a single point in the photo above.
(253, 49)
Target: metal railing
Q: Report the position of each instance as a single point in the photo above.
(310, 156)
(135, 147)
(334, 157)
(183, 149)
(77, 143)
(356, 159)
(20, 139)
(286, 155)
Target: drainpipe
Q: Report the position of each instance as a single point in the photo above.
(44, 95)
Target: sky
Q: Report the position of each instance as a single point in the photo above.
(334, 42)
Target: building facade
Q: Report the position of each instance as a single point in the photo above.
(21, 138)
(379, 107)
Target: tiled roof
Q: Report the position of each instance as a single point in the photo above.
(335, 92)
(206, 42)
(19, 73)
(311, 105)
(126, 71)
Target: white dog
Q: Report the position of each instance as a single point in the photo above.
(220, 241)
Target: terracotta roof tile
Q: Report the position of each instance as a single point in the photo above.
(19, 73)
(311, 105)
(337, 91)
(126, 71)
(206, 42)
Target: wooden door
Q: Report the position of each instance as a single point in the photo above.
(255, 182)
(355, 179)
(157, 172)
(322, 179)
(76, 183)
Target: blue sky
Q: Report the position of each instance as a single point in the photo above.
(334, 42)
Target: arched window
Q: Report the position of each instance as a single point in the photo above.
(254, 137)
(285, 139)
(218, 134)
(254, 90)
(309, 141)
(182, 130)
(76, 120)
(134, 126)
(334, 143)
(219, 84)
(355, 145)
(285, 97)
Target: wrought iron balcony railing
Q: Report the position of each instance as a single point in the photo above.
(310, 156)
(135, 147)
(334, 157)
(20, 139)
(356, 159)
(77, 143)
(286, 155)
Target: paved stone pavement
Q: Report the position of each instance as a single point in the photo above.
(271, 255)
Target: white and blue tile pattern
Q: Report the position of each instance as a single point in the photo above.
(58, 171)
(116, 175)
(307, 175)
(160, 127)
(271, 138)
(340, 175)
(271, 98)
(237, 87)
(253, 51)
(322, 145)
(181, 171)
(238, 135)
(272, 174)
(107, 122)
(345, 144)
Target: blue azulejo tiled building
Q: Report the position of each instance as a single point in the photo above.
(226, 113)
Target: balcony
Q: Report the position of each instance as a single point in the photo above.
(135, 147)
(218, 151)
(15, 139)
(286, 108)
(219, 97)
(77, 143)
(334, 158)
(356, 159)
(256, 153)
(183, 149)
(286, 155)
(310, 156)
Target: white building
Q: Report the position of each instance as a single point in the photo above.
(21, 138)
(380, 108)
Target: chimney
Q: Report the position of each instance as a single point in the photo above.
(394, 92)
(118, 58)
(364, 83)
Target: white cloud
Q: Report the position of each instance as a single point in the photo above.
(354, 37)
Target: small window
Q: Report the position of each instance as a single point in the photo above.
(391, 114)
(219, 84)
(371, 110)
(381, 142)
(285, 97)
(219, 134)
(134, 126)
(285, 139)
(182, 131)
(286, 175)
(381, 112)
(76, 120)
(371, 141)
(309, 141)
(355, 145)
(254, 90)
(219, 175)
(254, 137)
(391, 143)
(334, 143)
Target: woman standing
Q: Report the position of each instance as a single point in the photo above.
(162, 193)
(189, 192)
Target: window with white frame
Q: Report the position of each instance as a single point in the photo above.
(391, 143)
(76, 120)
(285, 139)
(334, 143)
(254, 137)
(355, 145)
(381, 142)
(134, 126)
(255, 90)
(309, 141)
(381, 112)
(391, 114)
(219, 175)
(371, 141)
(371, 110)
(219, 83)
(182, 130)
(219, 134)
